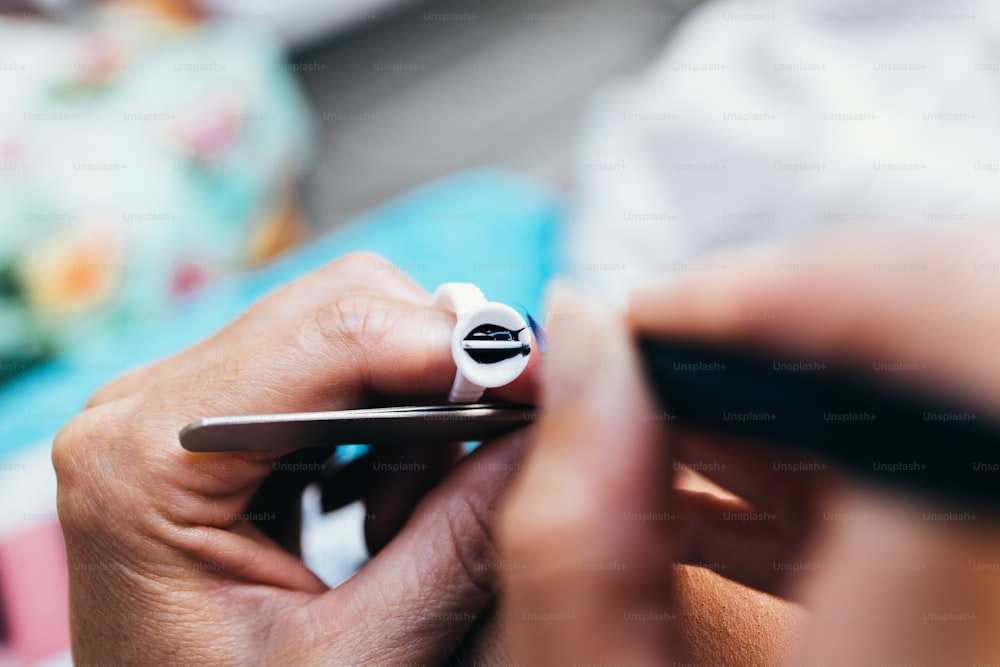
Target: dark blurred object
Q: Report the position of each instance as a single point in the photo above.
(844, 414)
(18, 8)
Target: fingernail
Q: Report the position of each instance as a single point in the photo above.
(582, 346)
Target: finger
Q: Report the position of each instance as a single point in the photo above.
(588, 563)
(403, 475)
(361, 343)
(905, 587)
(525, 387)
(739, 542)
(390, 497)
(755, 535)
(344, 485)
(863, 299)
(279, 497)
(329, 358)
(359, 270)
(774, 480)
(429, 585)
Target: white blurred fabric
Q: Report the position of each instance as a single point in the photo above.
(866, 111)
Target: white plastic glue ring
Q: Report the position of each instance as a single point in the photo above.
(491, 342)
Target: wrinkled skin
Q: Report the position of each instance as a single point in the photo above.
(191, 558)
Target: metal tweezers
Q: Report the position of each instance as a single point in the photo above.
(416, 424)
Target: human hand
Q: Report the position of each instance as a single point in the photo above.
(882, 582)
(177, 557)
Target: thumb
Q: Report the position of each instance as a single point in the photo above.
(429, 585)
(587, 521)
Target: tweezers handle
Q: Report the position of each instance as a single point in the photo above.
(412, 424)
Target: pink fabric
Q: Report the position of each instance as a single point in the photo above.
(33, 592)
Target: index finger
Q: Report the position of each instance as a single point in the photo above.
(876, 300)
(345, 274)
(361, 344)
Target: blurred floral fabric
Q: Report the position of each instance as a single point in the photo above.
(139, 157)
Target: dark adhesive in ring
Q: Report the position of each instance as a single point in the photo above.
(492, 343)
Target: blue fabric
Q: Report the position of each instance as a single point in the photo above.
(493, 228)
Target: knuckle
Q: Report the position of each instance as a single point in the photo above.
(362, 261)
(83, 443)
(112, 390)
(103, 395)
(67, 447)
(356, 320)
